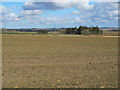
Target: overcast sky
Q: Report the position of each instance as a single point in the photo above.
(31, 14)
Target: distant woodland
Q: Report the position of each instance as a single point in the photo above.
(81, 30)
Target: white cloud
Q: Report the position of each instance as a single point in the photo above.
(100, 12)
(86, 14)
(51, 5)
(3, 9)
(26, 13)
(7, 14)
(40, 5)
(75, 13)
(59, 0)
(96, 10)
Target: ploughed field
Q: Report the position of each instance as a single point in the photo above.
(39, 61)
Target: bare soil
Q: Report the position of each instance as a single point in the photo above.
(31, 61)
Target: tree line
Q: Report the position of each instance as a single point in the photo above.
(83, 30)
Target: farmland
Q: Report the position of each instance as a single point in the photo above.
(43, 61)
